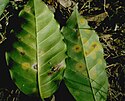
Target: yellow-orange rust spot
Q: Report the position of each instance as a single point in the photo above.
(77, 48)
(28, 9)
(92, 50)
(84, 40)
(80, 67)
(94, 45)
(87, 31)
(82, 20)
(86, 53)
(93, 74)
(25, 65)
(97, 46)
(99, 61)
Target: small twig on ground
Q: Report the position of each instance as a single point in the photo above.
(105, 8)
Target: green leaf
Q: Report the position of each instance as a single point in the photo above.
(3, 4)
(37, 59)
(85, 74)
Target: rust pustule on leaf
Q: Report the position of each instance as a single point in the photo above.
(77, 48)
(94, 45)
(25, 65)
(80, 67)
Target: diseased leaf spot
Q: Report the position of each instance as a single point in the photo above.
(94, 45)
(28, 9)
(25, 65)
(56, 68)
(86, 53)
(99, 61)
(22, 53)
(92, 50)
(80, 67)
(50, 73)
(35, 66)
(20, 49)
(84, 40)
(77, 48)
(82, 20)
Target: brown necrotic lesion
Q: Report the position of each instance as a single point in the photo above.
(22, 53)
(55, 68)
(21, 50)
(35, 66)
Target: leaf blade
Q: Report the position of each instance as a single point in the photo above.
(50, 46)
(3, 4)
(85, 60)
(22, 56)
(40, 48)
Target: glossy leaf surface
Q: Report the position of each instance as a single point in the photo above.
(85, 74)
(3, 4)
(37, 59)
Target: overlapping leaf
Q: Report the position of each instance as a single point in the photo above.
(85, 74)
(3, 4)
(37, 57)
